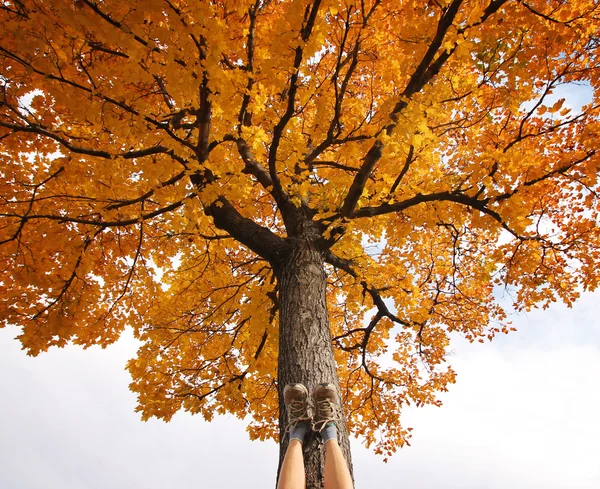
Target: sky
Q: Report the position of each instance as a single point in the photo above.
(523, 415)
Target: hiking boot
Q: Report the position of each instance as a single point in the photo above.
(326, 406)
(295, 398)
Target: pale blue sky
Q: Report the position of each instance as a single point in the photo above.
(523, 415)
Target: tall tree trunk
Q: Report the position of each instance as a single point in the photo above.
(305, 349)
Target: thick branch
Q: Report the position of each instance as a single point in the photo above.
(98, 222)
(257, 238)
(147, 195)
(425, 71)
(87, 151)
(252, 165)
(416, 83)
(283, 200)
(245, 117)
(93, 93)
(420, 199)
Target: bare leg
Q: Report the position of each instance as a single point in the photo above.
(337, 475)
(292, 470)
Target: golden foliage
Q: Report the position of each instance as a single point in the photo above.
(423, 140)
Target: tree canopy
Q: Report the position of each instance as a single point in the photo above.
(158, 156)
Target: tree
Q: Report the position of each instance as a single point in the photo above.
(279, 191)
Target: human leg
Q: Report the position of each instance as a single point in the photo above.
(337, 474)
(291, 475)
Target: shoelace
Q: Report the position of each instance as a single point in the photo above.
(327, 411)
(296, 413)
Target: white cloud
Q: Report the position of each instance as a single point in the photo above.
(522, 415)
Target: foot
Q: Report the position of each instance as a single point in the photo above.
(326, 406)
(295, 398)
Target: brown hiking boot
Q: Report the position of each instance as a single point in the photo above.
(295, 398)
(326, 406)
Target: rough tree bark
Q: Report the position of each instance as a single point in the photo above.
(305, 348)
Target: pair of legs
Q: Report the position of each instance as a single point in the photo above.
(337, 475)
(292, 476)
